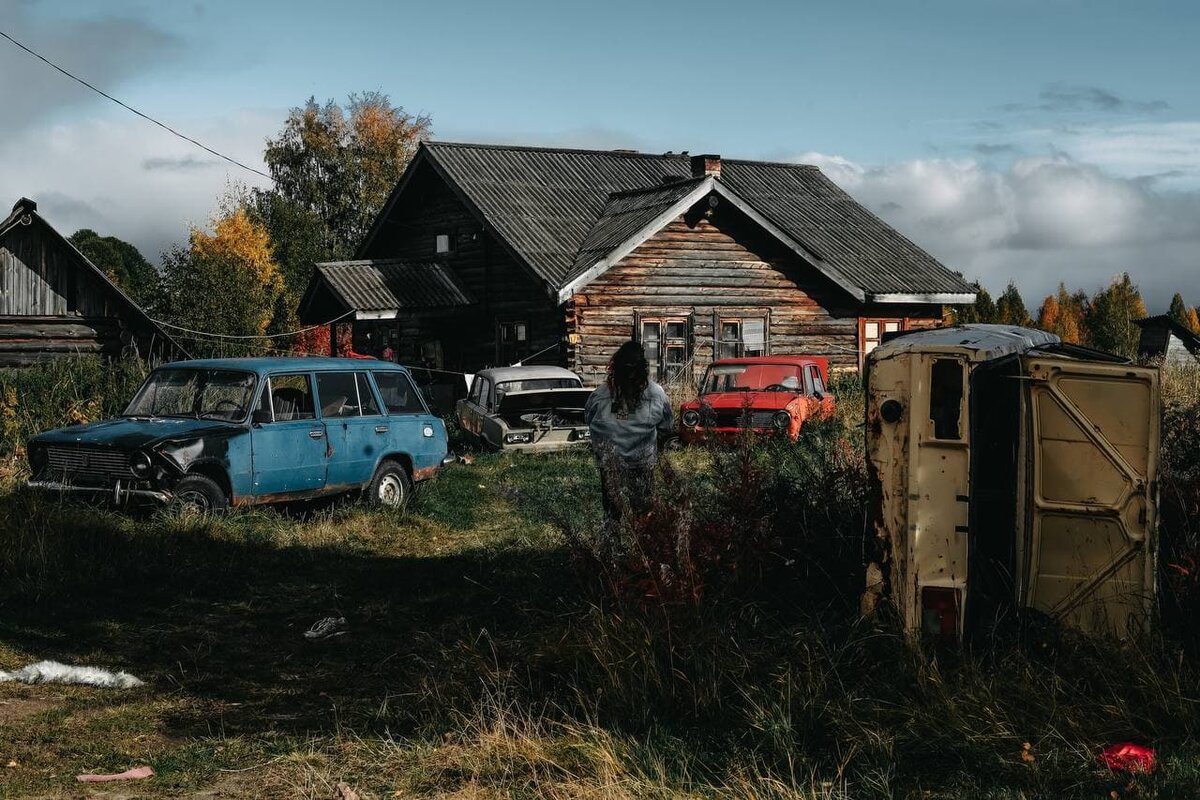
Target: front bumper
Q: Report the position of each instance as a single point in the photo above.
(547, 444)
(701, 435)
(118, 493)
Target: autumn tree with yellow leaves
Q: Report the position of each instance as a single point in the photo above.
(225, 282)
(1062, 314)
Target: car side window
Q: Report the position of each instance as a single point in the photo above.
(292, 397)
(338, 392)
(366, 398)
(398, 393)
(818, 385)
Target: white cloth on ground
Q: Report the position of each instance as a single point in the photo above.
(54, 672)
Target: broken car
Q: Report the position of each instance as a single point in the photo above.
(212, 433)
(528, 408)
(1013, 474)
(771, 395)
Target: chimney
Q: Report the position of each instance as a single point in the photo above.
(706, 164)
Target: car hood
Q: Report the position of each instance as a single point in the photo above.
(543, 400)
(761, 401)
(128, 433)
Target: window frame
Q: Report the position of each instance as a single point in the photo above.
(312, 395)
(901, 324)
(720, 343)
(437, 243)
(386, 410)
(521, 349)
(659, 364)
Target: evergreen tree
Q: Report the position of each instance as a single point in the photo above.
(1110, 317)
(122, 263)
(982, 310)
(1010, 308)
(1178, 310)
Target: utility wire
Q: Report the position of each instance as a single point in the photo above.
(146, 117)
(241, 337)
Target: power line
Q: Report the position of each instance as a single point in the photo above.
(241, 337)
(102, 93)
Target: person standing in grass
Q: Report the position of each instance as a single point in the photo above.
(627, 415)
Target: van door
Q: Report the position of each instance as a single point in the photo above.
(1092, 477)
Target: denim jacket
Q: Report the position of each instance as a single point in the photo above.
(630, 437)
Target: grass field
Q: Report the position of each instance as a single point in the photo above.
(499, 647)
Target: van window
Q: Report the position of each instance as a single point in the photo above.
(945, 397)
(292, 398)
(399, 394)
(366, 397)
(339, 394)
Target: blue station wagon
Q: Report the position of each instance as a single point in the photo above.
(208, 434)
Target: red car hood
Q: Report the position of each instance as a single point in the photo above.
(762, 401)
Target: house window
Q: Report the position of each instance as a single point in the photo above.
(443, 244)
(665, 341)
(512, 342)
(871, 332)
(739, 337)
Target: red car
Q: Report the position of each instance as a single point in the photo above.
(767, 394)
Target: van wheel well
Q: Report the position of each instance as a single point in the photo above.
(402, 459)
(215, 473)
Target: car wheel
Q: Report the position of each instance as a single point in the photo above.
(391, 487)
(200, 495)
(673, 443)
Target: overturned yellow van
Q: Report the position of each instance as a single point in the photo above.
(1011, 471)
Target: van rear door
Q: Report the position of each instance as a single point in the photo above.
(1092, 472)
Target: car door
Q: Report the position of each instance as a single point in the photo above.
(287, 439)
(1091, 547)
(353, 424)
(412, 430)
(472, 408)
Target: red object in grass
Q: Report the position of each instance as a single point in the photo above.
(1128, 757)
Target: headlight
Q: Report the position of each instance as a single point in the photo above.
(781, 420)
(37, 458)
(139, 462)
(581, 433)
(518, 438)
(691, 418)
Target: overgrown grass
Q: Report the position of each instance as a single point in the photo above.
(485, 658)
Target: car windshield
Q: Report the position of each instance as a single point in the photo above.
(538, 384)
(197, 393)
(752, 378)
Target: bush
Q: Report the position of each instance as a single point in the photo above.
(65, 392)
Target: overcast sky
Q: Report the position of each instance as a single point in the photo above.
(1031, 140)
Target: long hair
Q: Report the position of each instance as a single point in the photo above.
(629, 375)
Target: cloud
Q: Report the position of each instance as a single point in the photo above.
(1037, 221)
(105, 51)
(1061, 97)
(186, 163)
(94, 174)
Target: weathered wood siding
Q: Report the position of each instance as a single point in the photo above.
(720, 264)
(52, 305)
(506, 291)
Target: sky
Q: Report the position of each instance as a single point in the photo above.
(1035, 141)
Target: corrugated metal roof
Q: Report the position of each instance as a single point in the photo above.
(625, 214)
(391, 284)
(547, 204)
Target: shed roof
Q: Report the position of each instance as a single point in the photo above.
(379, 287)
(555, 207)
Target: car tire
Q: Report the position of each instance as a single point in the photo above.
(673, 444)
(391, 487)
(200, 495)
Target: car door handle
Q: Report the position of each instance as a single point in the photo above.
(381, 428)
(316, 434)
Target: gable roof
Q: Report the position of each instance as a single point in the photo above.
(1190, 340)
(24, 212)
(378, 288)
(555, 208)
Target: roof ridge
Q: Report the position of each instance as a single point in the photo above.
(533, 148)
(675, 184)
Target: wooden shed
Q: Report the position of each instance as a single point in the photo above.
(55, 303)
(568, 253)
(1163, 337)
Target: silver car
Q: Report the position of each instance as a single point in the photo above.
(535, 409)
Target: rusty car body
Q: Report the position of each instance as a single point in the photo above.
(772, 395)
(533, 409)
(1012, 473)
(218, 432)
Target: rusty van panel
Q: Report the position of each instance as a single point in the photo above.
(1091, 475)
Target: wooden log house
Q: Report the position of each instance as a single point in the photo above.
(55, 303)
(562, 255)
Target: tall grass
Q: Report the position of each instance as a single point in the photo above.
(64, 392)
